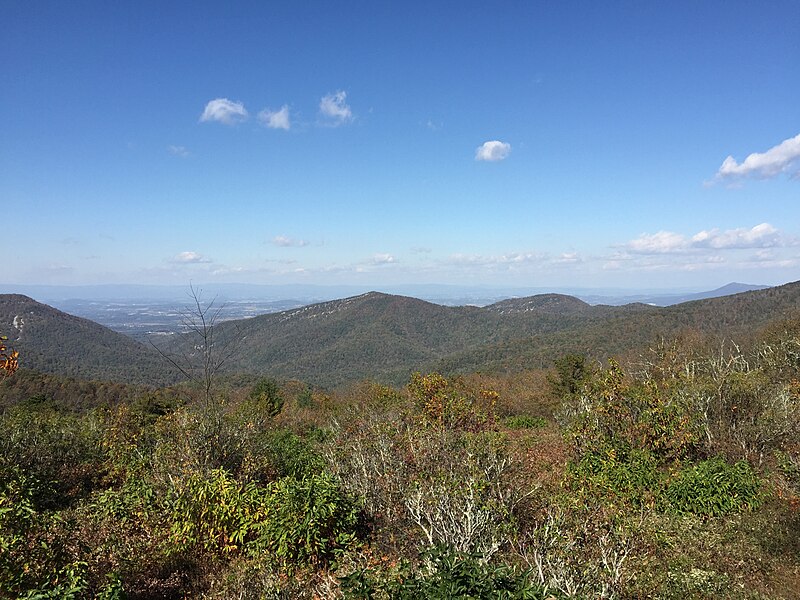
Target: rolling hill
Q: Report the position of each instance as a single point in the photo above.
(52, 341)
(385, 337)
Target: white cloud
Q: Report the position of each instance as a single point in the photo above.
(763, 261)
(335, 109)
(663, 242)
(181, 151)
(668, 242)
(278, 119)
(764, 255)
(783, 158)
(383, 259)
(190, 257)
(760, 236)
(287, 242)
(224, 111)
(507, 261)
(493, 151)
(568, 257)
(227, 271)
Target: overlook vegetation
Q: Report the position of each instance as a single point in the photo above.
(671, 472)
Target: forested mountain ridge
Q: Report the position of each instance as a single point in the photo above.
(609, 331)
(385, 337)
(52, 341)
(558, 304)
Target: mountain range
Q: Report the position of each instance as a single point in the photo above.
(67, 297)
(386, 337)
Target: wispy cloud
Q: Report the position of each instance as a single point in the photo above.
(190, 257)
(224, 111)
(760, 236)
(383, 259)
(287, 242)
(493, 151)
(181, 151)
(668, 242)
(569, 257)
(278, 119)
(663, 242)
(783, 158)
(334, 109)
(509, 260)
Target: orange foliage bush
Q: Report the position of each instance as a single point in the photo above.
(9, 359)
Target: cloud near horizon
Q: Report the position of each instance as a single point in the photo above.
(783, 158)
(334, 108)
(493, 151)
(383, 259)
(278, 119)
(224, 111)
(763, 235)
(190, 257)
(509, 260)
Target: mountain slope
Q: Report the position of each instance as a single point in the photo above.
(385, 337)
(634, 328)
(52, 341)
(372, 335)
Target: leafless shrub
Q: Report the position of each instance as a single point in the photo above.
(454, 487)
(580, 553)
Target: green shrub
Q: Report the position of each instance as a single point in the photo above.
(571, 373)
(305, 521)
(525, 422)
(713, 488)
(34, 560)
(266, 394)
(305, 399)
(216, 514)
(613, 411)
(151, 406)
(451, 575)
(291, 455)
(61, 452)
(631, 476)
(69, 583)
(17, 519)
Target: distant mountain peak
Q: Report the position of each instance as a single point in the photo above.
(541, 303)
(330, 307)
(736, 288)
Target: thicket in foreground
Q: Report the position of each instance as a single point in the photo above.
(673, 478)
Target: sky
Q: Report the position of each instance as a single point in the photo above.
(560, 144)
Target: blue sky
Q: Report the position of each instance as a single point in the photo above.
(510, 143)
